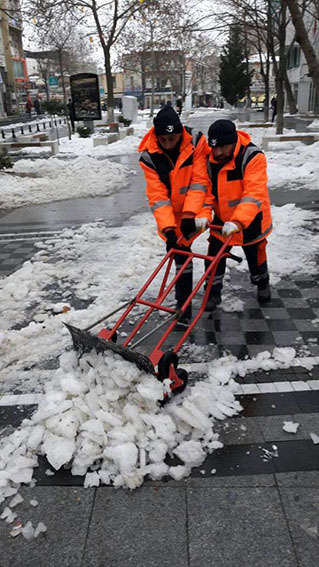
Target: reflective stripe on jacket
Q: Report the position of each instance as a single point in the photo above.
(174, 189)
(240, 192)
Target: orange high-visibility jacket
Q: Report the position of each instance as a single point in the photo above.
(175, 189)
(240, 192)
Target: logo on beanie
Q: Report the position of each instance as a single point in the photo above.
(170, 128)
(213, 142)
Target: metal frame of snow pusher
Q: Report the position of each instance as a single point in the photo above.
(167, 362)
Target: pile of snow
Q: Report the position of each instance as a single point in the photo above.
(84, 146)
(314, 126)
(100, 416)
(291, 224)
(53, 179)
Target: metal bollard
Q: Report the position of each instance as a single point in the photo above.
(30, 129)
(38, 127)
(44, 126)
(22, 131)
(3, 134)
(13, 133)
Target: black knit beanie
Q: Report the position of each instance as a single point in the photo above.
(167, 122)
(221, 133)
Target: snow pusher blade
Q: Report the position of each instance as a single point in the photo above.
(84, 342)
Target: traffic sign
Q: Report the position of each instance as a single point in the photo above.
(53, 81)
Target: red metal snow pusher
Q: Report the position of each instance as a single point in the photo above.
(166, 362)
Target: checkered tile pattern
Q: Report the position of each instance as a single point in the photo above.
(13, 254)
(291, 318)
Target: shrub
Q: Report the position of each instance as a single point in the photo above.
(54, 107)
(83, 131)
(5, 162)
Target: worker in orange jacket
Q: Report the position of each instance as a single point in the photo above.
(174, 161)
(237, 169)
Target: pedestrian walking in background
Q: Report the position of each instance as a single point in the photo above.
(28, 105)
(37, 105)
(179, 106)
(273, 104)
(71, 114)
(238, 172)
(174, 161)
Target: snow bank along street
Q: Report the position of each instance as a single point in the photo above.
(99, 416)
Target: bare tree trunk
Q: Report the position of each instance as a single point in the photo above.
(153, 73)
(290, 97)
(109, 84)
(303, 39)
(281, 69)
(62, 74)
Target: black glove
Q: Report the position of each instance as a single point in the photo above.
(171, 239)
(188, 227)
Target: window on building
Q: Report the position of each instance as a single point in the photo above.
(293, 57)
(18, 69)
(132, 83)
(114, 81)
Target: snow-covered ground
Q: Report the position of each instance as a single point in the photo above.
(102, 410)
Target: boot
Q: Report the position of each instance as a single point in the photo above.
(263, 292)
(187, 315)
(213, 301)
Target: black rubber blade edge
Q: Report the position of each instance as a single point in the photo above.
(84, 342)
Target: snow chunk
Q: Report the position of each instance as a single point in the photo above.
(58, 450)
(290, 426)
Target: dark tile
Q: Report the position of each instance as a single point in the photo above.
(281, 325)
(299, 455)
(251, 314)
(259, 338)
(234, 460)
(273, 303)
(240, 351)
(308, 401)
(222, 326)
(306, 335)
(301, 313)
(14, 415)
(285, 338)
(305, 284)
(200, 337)
(269, 404)
(289, 293)
(228, 338)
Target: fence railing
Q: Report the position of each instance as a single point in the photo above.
(32, 127)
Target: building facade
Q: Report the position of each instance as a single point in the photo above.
(306, 97)
(14, 83)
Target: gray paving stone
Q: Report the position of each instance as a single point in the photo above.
(272, 428)
(238, 527)
(260, 480)
(285, 338)
(66, 513)
(301, 507)
(239, 431)
(299, 478)
(143, 528)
